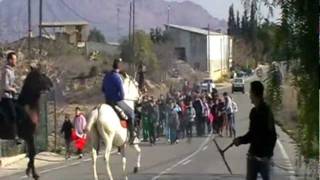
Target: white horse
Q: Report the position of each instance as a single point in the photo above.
(103, 122)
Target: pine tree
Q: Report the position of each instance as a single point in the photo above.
(96, 35)
(231, 21)
(244, 24)
(253, 23)
(253, 29)
(238, 26)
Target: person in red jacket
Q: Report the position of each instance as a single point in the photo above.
(79, 123)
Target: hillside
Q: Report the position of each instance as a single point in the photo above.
(103, 15)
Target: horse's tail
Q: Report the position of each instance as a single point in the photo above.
(93, 117)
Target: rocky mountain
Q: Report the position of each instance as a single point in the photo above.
(109, 16)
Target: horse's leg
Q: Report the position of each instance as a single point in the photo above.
(124, 161)
(31, 155)
(138, 149)
(94, 137)
(108, 142)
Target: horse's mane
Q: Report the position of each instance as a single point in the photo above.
(31, 91)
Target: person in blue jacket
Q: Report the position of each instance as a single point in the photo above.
(114, 93)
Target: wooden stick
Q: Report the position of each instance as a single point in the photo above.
(222, 154)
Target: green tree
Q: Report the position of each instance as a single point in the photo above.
(96, 35)
(274, 92)
(253, 24)
(297, 43)
(231, 21)
(238, 24)
(141, 52)
(245, 24)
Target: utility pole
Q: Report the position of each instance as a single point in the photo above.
(133, 28)
(168, 20)
(221, 62)
(40, 28)
(118, 28)
(133, 23)
(130, 18)
(29, 28)
(208, 49)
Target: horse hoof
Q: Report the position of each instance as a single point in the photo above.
(135, 169)
(28, 172)
(36, 177)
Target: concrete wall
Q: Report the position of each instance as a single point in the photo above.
(73, 33)
(219, 55)
(218, 46)
(195, 46)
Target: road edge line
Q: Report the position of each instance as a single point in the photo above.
(285, 155)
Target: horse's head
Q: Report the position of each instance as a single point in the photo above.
(131, 89)
(40, 81)
(34, 84)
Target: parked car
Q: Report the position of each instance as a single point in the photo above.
(241, 74)
(238, 85)
(207, 85)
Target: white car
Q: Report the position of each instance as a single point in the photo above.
(207, 85)
(238, 84)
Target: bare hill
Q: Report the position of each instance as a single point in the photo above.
(103, 15)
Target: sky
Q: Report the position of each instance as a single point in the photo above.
(220, 8)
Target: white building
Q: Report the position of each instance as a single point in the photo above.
(205, 50)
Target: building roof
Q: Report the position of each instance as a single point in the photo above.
(65, 23)
(193, 29)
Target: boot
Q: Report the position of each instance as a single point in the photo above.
(132, 134)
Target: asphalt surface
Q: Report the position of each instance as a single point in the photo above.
(195, 159)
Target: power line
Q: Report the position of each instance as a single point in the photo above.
(79, 15)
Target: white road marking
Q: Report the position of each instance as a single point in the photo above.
(285, 155)
(203, 149)
(205, 142)
(187, 162)
(66, 166)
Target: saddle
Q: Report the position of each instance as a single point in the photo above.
(122, 116)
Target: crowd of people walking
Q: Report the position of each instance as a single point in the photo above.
(174, 116)
(181, 114)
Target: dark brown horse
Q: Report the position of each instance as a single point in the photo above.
(27, 114)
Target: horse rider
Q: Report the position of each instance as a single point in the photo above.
(9, 90)
(114, 94)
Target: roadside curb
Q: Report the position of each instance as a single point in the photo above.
(5, 161)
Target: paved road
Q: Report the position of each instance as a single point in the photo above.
(197, 159)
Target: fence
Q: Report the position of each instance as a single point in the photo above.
(41, 136)
(8, 147)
